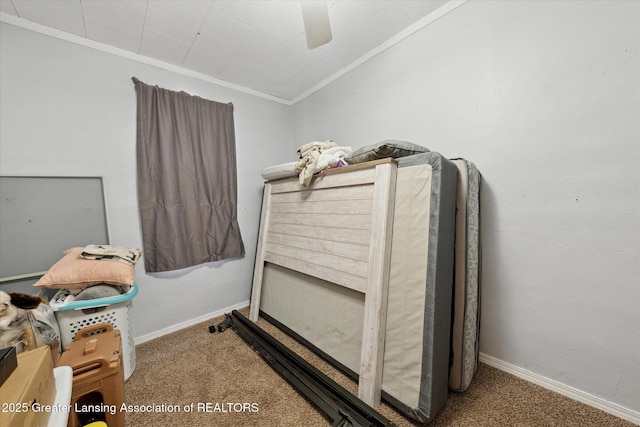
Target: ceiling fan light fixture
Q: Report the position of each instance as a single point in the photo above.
(316, 22)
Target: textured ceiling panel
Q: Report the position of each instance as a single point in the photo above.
(59, 14)
(178, 20)
(116, 23)
(257, 44)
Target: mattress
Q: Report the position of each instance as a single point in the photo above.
(329, 318)
(465, 332)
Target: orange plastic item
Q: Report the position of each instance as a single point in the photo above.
(95, 355)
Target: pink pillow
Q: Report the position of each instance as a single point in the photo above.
(73, 271)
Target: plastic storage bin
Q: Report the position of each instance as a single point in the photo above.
(73, 316)
(95, 356)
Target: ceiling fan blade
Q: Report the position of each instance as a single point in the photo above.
(316, 22)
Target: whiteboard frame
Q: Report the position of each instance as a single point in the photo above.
(101, 178)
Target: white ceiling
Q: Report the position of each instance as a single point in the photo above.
(258, 45)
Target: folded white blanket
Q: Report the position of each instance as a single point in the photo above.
(308, 156)
(317, 156)
(331, 157)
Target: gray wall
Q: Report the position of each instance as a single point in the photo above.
(67, 109)
(545, 98)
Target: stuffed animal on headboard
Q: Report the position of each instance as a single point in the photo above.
(15, 326)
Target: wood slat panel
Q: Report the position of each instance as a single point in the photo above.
(350, 281)
(360, 222)
(334, 262)
(357, 192)
(323, 244)
(325, 208)
(346, 235)
(357, 177)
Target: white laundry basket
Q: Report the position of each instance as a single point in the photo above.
(73, 316)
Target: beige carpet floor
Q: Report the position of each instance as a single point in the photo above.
(195, 378)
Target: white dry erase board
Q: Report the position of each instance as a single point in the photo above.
(42, 216)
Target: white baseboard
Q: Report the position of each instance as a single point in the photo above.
(191, 322)
(563, 389)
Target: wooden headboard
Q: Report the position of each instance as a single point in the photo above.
(338, 229)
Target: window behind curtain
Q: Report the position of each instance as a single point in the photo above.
(187, 185)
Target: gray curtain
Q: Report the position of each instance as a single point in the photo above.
(187, 185)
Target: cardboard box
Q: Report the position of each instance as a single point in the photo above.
(8, 363)
(25, 395)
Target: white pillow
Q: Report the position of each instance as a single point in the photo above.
(284, 170)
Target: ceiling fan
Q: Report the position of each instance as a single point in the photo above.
(316, 22)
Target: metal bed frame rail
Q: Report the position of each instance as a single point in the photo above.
(337, 403)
